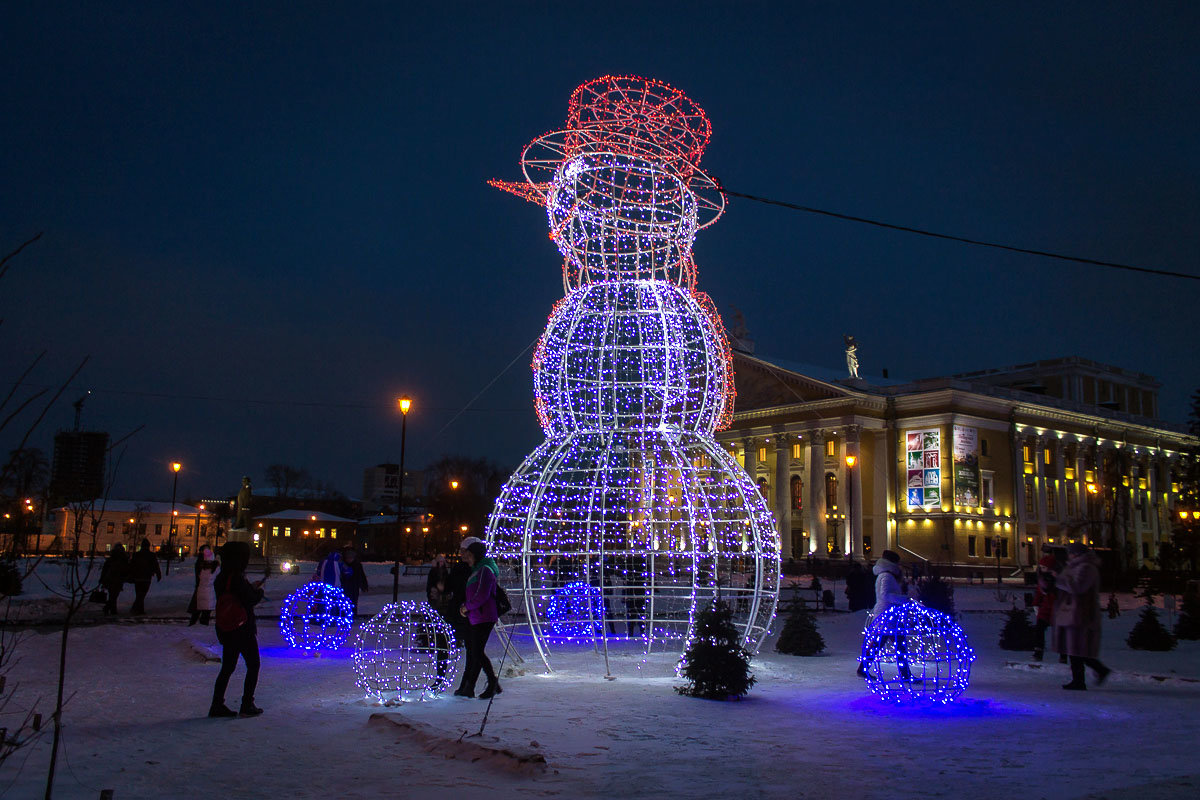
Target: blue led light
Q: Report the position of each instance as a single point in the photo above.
(576, 610)
(316, 616)
(915, 654)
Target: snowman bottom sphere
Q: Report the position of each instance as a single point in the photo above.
(915, 654)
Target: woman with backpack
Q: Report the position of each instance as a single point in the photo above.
(480, 610)
(236, 631)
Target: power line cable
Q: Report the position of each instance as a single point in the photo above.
(953, 238)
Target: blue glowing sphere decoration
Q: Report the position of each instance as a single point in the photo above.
(576, 611)
(915, 654)
(407, 651)
(316, 616)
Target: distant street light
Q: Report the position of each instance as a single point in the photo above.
(405, 404)
(175, 467)
(851, 460)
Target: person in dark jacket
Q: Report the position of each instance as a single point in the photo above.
(441, 598)
(480, 611)
(354, 577)
(457, 586)
(860, 587)
(142, 567)
(113, 575)
(204, 598)
(236, 630)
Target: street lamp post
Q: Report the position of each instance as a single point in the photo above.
(851, 460)
(405, 404)
(196, 530)
(175, 467)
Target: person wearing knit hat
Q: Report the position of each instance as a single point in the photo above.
(1077, 615)
(888, 593)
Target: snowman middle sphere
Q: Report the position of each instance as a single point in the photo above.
(631, 354)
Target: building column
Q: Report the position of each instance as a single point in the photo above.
(881, 503)
(783, 493)
(1134, 472)
(1154, 466)
(816, 493)
(1039, 471)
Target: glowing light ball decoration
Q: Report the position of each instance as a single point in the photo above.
(630, 517)
(916, 654)
(316, 616)
(406, 652)
(576, 611)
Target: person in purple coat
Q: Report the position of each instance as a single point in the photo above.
(479, 608)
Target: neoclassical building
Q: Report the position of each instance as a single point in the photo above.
(977, 469)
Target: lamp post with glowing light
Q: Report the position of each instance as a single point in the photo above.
(405, 404)
(175, 467)
(196, 530)
(851, 460)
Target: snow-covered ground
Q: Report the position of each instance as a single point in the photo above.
(808, 729)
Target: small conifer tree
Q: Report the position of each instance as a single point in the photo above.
(1149, 633)
(1017, 633)
(933, 591)
(716, 665)
(1188, 624)
(800, 636)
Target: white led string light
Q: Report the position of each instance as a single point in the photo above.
(630, 517)
(406, 652)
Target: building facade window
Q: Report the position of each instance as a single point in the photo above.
(762, 454)
(987, 547)
(158, 529)
(830, 450)
(287, 532)
(1072, 500)
(764, 490)
(830, 492)
(1051, 500)
(797, 493)
(1030, 506)
(274, 530)
(972, 547)
(989, 489)
(983, 447)
(797, 451)
(110, 528)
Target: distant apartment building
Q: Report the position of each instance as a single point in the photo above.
(381, 486)
(78, 468)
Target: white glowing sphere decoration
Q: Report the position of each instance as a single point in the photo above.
(630, 518)
(406, 652)
(915, 654)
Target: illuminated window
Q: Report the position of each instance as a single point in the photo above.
(830, 492)
(287, 532)
(1028, 451)
(320, 533)
(797, 451)
(1142, 484)
(274, 530)
(797, 493)
(333, 533)
(829, 448)
(1069, 472)
(1089, 475)
(1046, 454)
(762, 454)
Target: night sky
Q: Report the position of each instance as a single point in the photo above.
(263, 224)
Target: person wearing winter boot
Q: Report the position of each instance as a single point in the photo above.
(1043, 599)
(480, 611)
(142, 567)
(113, 575)
(1077, 615)
(888, 593)
(236, 631)
(204, 599)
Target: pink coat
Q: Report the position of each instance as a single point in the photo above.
(1077, 607)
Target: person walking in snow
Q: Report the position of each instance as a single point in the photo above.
(480, 611)
(204, 598)
(888, 593)
(1043, 599)
(142, 567)
(236, 629)
(460, 572)
(113, 576)
(1077, 615)
(441, 598)
(354, 577)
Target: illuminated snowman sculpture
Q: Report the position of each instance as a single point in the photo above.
(630, 493)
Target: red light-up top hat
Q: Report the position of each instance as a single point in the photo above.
(622, 184)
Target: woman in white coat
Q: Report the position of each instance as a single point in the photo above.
(204, 599)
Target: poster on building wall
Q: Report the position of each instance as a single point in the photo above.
(966, 466)
(922, 452)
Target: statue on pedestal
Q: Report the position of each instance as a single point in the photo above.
(851, 355)
(241, 510)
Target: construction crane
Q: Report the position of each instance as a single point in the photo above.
(79, 409)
